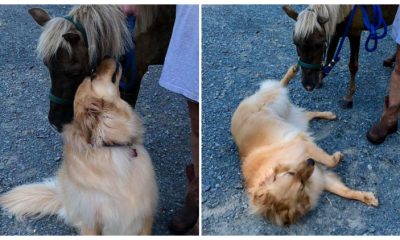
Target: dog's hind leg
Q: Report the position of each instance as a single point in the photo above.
(289, 75)
(322, 115)
(334, 185)
(319, 155)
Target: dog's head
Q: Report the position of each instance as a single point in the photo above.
(102, 117)
(283, 192)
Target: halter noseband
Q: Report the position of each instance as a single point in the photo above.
(312, 66)
(60, 101)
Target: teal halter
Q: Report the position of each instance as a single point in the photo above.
(60, 101)
(78, 27)
(309, 65)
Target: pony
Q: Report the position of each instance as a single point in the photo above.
(72, 47)
(317, 31)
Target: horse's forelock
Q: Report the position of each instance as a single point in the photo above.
(105, 27)
(306, 23)
(51, 38)
(106, 30)
(307, 20)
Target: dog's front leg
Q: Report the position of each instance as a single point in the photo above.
(322, 115)
(334, 185)
(319, 155)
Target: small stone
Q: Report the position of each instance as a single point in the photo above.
(369, 167)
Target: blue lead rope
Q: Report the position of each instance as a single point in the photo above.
(336, 58)
(129, 70)
(379, 22)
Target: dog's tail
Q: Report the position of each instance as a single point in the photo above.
(36, 199)
(289, 75)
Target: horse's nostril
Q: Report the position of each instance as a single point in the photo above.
(308, 88)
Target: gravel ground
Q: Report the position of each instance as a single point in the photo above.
(31, 150)
(242, 46)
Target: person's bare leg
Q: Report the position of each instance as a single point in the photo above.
(388, 122)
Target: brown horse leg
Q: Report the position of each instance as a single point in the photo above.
(347, 101)
(151, 47)
(331, 52)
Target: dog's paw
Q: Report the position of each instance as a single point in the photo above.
(336, 157)
(330, 116)
(370, 199)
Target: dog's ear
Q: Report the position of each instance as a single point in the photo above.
(89, 119)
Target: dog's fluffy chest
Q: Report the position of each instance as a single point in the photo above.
(119, 180)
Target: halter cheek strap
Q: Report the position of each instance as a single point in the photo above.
(79, 27)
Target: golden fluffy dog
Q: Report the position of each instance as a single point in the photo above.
(284, 171)
(106, 184)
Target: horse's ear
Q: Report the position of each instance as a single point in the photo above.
(72, 38)
(290, 12)
(39, 15)
(322, 20)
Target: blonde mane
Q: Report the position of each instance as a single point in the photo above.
(307, 21)
(106, 30)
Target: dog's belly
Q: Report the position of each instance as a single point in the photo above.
(265, 118)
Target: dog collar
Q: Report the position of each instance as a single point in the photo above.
(134, 152)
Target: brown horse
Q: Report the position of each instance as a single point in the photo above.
(71, 47)
(317, 32)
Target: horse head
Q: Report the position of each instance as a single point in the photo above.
(310, 38)
(71, 47)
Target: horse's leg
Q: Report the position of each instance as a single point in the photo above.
(151, 47)
(331, 52)
(347, 101)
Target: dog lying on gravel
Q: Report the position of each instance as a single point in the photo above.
(284, 171)
(106, 184)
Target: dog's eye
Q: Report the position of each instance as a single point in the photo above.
(291, 173)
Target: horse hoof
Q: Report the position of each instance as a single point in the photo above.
(346, 104)
(388, 63)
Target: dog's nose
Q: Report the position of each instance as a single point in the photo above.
(310, 162)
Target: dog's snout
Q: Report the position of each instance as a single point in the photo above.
(310, 162)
